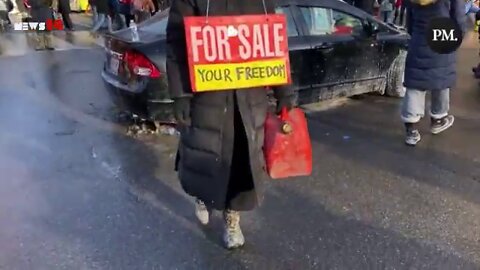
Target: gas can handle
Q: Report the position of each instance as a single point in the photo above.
(284, 114)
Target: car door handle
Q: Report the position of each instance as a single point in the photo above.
(325, 47)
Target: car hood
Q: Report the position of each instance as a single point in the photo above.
(144, 37)
(400, 29)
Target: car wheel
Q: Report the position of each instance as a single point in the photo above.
(395, 76)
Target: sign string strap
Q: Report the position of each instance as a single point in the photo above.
(208, 9)
(264, 7)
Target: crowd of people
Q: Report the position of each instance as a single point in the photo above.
(392, 11)
(105, 13)
(120, 12)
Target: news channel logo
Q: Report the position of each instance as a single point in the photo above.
(48, 25)
(443, 35)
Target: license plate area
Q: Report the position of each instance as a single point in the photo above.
(113, 65)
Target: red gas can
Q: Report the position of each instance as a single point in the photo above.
(287, 148)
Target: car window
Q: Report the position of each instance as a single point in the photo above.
(291, 27)
(319, 20)
(324, 21)
(346, 24)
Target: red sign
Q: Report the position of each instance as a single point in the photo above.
(234, 52)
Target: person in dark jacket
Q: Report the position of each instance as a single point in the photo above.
(220, 158)
(426, 70)
(115, 15)
(400, 7)
(64, 9)
(126, 11)
(41, 11)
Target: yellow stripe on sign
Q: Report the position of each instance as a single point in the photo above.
(214, 77)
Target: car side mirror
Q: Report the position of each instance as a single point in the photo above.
(371, 28)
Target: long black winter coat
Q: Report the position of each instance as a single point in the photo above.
(206, 148)
(424, 68)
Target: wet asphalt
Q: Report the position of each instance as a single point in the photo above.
(77, 193)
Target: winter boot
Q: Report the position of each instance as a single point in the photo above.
(412, 134)
(39, 42)
(233, 237)
(442, 124)
(202, 213)
(48, 41)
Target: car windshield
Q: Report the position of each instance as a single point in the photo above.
(157, 24)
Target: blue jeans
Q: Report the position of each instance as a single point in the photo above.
(95, 15)
(386, 16)
(413, 106)
(101, 18)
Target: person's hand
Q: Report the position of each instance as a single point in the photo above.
(144, 5)
(181, 111)
(287, 102)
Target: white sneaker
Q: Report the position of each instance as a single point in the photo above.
(413, 137)
(442, 124)
(202, 213)
(233, 236)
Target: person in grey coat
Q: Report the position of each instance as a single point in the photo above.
(220, 157)
(426, 70)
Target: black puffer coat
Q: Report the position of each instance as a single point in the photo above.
(220, 119)
(424, 68)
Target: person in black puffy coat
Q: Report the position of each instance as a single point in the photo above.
(220, 158)
(426, 70)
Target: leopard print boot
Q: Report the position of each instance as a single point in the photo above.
(233, 237)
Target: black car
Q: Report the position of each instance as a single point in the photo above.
(335, 50)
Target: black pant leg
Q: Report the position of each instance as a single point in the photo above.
(67, 21)
(128, 18)
(241, 194)
(402, 13)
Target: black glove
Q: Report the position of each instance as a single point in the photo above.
(287, 102)
(181, 111)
